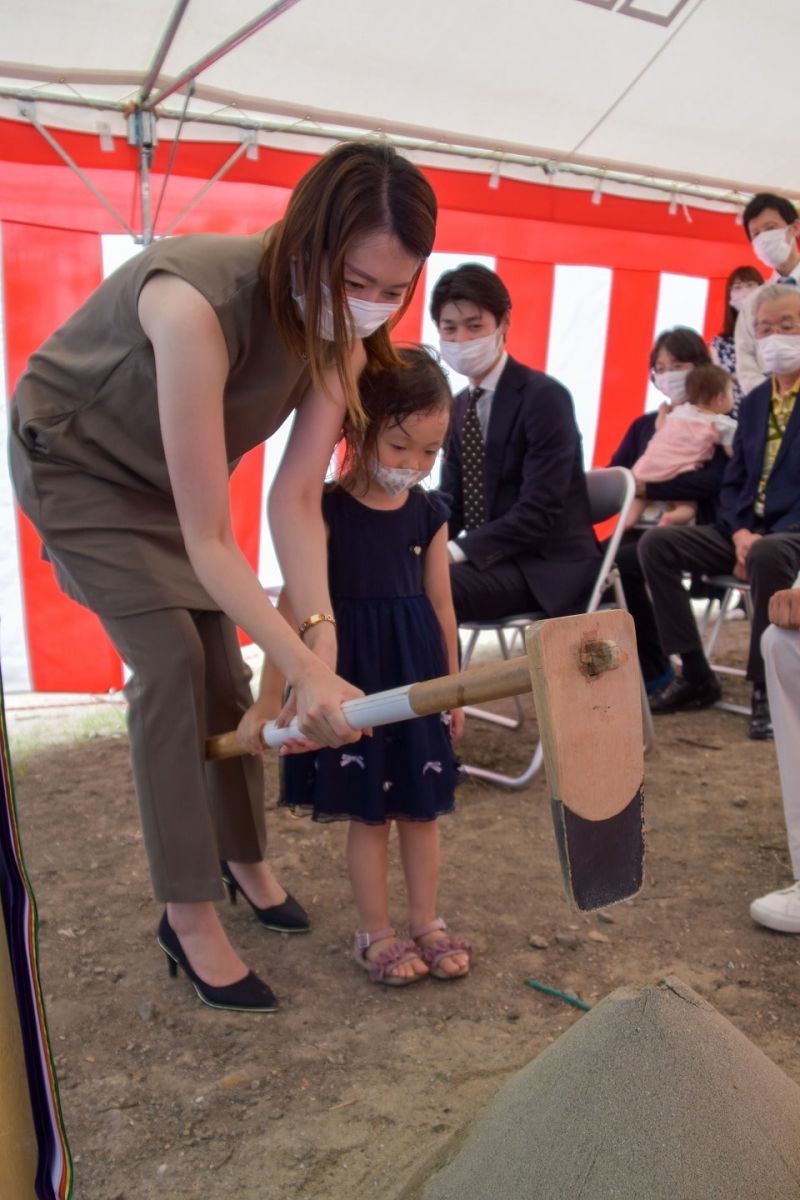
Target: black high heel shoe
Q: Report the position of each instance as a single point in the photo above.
(250, 994)
(288, 917)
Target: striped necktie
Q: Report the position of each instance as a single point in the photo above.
(472, 481)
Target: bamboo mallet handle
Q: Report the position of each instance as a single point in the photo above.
(493, 681)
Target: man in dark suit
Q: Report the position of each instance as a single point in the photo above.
(521, 533)
(757, 532)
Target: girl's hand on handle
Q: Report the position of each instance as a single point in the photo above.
(249, 729)
(456, 723)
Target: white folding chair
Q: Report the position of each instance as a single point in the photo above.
(710, 628)
(611, 491)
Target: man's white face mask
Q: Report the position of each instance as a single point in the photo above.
(475, 357)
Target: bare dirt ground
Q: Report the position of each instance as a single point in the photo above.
(345, 1092)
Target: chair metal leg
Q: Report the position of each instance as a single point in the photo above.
(486, 714)
(515, 782)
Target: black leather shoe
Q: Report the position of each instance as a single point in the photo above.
(288, 917)
(760, 720)
(682, 693)
(249, 994)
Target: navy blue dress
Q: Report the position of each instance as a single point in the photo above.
(388, 635)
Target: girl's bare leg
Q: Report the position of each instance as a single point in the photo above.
(420, 855)
(367, 847)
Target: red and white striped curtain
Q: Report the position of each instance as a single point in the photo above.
(591, 285)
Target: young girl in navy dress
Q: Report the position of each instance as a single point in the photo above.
(390, 588)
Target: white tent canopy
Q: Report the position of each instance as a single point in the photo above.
(682, 93)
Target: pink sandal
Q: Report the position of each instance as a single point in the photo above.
(380, 967)
(433, 954)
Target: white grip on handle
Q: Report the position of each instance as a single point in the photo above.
(380, 709)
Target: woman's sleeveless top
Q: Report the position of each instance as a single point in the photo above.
(86, 451)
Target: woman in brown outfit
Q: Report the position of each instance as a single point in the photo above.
(125, 429)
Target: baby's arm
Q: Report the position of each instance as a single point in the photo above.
(436, 581)
(635, 512)
(679, 514)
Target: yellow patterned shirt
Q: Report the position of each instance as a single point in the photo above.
(780, 411)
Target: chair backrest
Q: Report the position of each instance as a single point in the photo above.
(611, 492)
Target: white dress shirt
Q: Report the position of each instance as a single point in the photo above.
(483, 408)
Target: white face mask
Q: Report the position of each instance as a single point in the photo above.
(475, 357)
(396, 480)
(779, 354)
(739, 296)
(774, 246)
(673, 385)
(366, 315)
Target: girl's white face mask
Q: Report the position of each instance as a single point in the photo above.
(475, 357)
(366, 315)
(673, 385)
(396, 480)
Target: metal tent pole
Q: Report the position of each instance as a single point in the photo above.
(265, 18)
(163, 49)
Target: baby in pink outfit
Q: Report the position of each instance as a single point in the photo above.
(686, 438)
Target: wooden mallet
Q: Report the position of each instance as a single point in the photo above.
(584, 675)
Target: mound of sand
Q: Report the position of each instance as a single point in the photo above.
(651, 1096)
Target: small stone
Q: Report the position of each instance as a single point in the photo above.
(161, 1170)
(605, 917)
(569, 941)
(596, 936)
(147, 1010)
(538, 942)
(99, 970)
(275, 1114)
(234, 1080)
(739, 801)
(512, 1016)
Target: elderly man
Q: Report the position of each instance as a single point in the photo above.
(780, 646)
(757, 531)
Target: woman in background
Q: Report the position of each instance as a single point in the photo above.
(741, 283)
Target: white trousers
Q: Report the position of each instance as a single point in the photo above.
(781, 651)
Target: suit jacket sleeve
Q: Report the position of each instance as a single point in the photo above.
(450, 482)
(733, 514)
(551, 444)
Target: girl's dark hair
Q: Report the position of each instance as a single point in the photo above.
(740, 275)
(389, 396)
(355, 189)
(706, 382)
(683, 344)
